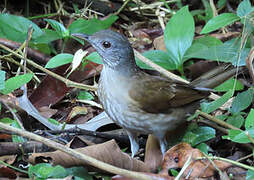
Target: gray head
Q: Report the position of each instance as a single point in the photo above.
(113, 47)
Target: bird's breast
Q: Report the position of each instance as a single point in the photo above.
(113, 93)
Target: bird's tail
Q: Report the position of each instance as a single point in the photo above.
(216, 77)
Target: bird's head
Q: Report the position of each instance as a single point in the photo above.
(113, 47)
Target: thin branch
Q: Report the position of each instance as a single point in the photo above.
(89, 160)
(13, 114)
(122, 7)
(228, 161)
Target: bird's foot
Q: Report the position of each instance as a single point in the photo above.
(134, 142)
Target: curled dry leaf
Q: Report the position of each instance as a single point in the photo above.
(159, 43)
(153, 156)
(177, 156)
(108, 152)
(77, 110)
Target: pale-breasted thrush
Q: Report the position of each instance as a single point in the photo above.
(135, 100)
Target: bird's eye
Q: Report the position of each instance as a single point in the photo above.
(106, 44)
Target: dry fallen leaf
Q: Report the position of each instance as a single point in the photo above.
(153, 156)
(46, 111)
(108, 152)
(159, 43)
(77, 110)
(177, 156)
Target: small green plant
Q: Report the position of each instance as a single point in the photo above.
(180, 46)
(45, 171)
(42, 38)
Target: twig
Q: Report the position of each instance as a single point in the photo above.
(159, 15)
(11, 60)
(228, 161)
(214, 165)
(89, 160)
(186, 165)
(158, 68)
(215, 13)
(78, 131)
(122, 7)
(216, 120)
(223, 123)
(28, 38)
(245, 157)
(13, 114)
(153, 5)
(13, 167)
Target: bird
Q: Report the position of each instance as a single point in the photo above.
(139, 102)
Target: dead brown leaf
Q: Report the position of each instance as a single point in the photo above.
(108, 152)
(77, 110)
(178, 155)
(153, 156)
(51, 90)
(159, 43)
(7, 171)
(46, 111)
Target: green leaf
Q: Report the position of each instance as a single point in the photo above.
(244, 8)
(45, 170)
(223, 53)
(59, 60)
(16, 138)
(221, 3)
(231, 83)
(13, 123)
(53, 121)
(208, 11)
(84, 95)
(2, 79)
(15, 28)
(203, 147)
(219, 22)
(44, 48)
(208, 41)
(60, 29)
(94, 57)
(48, 36)
(16, 82)
(250, 175)
(174, 172)
(197, 135)
(158, 57)
(249, 122)
(242, 101)
(178, 36)
(212, 106)
(6, 120)
(80, 172)
(91, 26)
(239, 136)
(236, 120)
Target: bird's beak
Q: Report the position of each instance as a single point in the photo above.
(81, 36)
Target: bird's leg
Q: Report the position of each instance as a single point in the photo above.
(133, 136)
(163, 142)
(163, 145)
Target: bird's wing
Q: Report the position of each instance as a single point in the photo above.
(158, 95)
